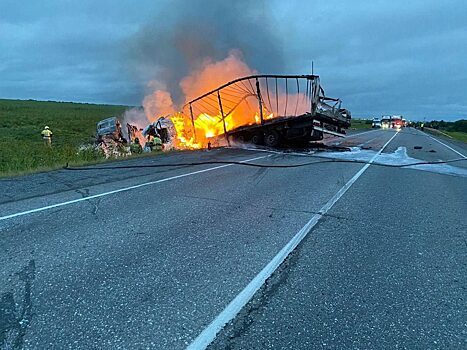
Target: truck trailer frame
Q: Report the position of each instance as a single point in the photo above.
(286, 108)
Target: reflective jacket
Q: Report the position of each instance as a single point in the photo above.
(136, 148)
(46, 133)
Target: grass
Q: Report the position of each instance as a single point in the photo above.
(360, 124)
(458, 135)
(73, 124)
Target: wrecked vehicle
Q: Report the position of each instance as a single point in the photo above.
(110, 127)
(162, 128)
(262, 109)
(110, 139)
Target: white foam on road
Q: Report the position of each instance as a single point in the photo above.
(399, 157)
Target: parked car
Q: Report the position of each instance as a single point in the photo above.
(376, 123)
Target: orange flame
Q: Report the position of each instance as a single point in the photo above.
(206, 127)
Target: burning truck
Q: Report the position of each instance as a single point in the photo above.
(265, 110)
(261, 109)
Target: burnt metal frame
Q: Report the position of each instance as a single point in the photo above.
(313, 89)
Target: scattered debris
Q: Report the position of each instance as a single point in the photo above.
(432, 151)
(157, 136)
(417, 147)
(113, 148)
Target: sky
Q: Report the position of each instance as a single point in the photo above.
(379, 57)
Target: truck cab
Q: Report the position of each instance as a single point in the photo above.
(110, 127)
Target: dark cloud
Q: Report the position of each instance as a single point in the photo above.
(386, 57)
(380, 57)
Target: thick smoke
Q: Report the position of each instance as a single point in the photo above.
(187, 33)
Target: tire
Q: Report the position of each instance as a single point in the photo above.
(240, 138)
(257, 139)
(272, 138)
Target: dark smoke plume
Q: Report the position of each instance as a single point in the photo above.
(186, 33)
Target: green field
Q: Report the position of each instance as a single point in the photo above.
(360, 124)
(457, 130)
(457, 135)
(73, 124)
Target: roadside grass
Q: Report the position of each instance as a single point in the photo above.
(73, 124)
(457, 135)
(360, 124)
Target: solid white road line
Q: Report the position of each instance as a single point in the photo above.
(452, 149)
(121, 190)
(208, 335)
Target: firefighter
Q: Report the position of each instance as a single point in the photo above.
(135, 147)
(156, 143)
(47, 136)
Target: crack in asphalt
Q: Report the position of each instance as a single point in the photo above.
(242, 322)
(14, 320)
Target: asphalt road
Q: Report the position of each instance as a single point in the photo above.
(148, 257)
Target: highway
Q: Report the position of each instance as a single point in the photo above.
(355, 255)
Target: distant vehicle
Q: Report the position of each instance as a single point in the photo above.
(404, 123)
(385, 122)
(110, 127)
(396, 121)
(376, 123)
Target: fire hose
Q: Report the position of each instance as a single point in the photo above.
(327, 160)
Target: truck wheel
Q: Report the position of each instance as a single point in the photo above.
(257, 139)
(272, 138)
(240, 138)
